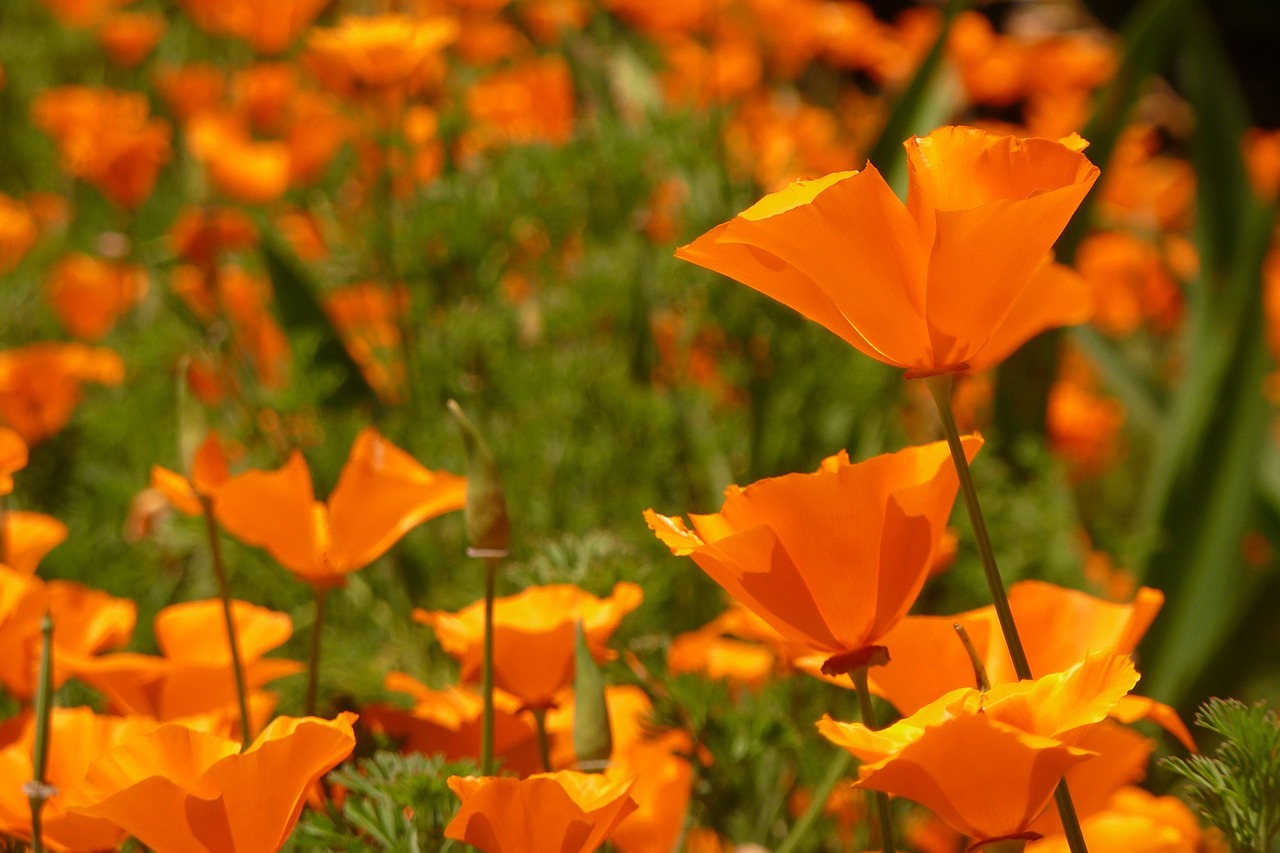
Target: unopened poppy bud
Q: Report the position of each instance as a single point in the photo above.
(192, 426)
(488, 526)
(592, 736)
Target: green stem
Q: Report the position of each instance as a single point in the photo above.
(37, 790)
(940, 387)
(233, 639)
(486, 738)
(859, 677)
(835, 772)
(544, 743)
(313, 671)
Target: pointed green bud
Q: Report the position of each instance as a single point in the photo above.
(592, 736)
(488, 527)
(192, 426)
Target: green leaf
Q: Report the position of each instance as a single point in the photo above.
(592, 736)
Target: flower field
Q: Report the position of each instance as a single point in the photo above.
(715, 425)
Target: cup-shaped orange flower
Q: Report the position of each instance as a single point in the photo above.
(987, 763)
(833, 559)
(955, 279)
(382, 493)
(178, 790)
(564, 812)
(380, 53)
(13, 457)
(533, 636)
(40, 384)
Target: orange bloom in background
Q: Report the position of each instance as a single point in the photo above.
(177, 789)
(1136, 821)
(127, 37)
(831, 560)
(564, 812)
(209, 471)
(77, 738)
(954, 280)
(269, 27)
(1083, 427)
(380, 54)
(700, 75)
(547, 20)
(18, 232)
(382, 493)
(241, 168)
(40, 384)
(192, 675)
(200, 235)
(527, 104)
(533, 642)
(987, 763)
(449, 722)
(1131, 283)
(81, 14)
(89, 294)
(367, 315)
(1262, 157)
(1146, 189)
(28, 537)
(191, 89)
(13, 457)
(708, 652)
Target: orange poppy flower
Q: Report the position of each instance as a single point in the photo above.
(1136, 821)
(449, 722)
(564, 812)
(954, 280)
(81, 14)
(77, 737)
(269, 27)
(533, 636)
(18, 232)
(28, 536)
(89, 294)
(987, 763)
(127, 37)
(241, 168)
(177, 789)
(200, 235)
(382, 493)
(530, 103)
(208, 471)
(831, 560)
(191, 89)
(382, 53)
(367, 316)
(13, 457)
(709, 652)
(40, 384)
(193, 673)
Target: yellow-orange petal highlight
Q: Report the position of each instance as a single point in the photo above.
(830, 560)
(566, 812)
(953, 280)
(177, 789)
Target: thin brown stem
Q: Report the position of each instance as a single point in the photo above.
(233, 640)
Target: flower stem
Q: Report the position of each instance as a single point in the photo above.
(233, 640)
(859, 677)
(940, 388)
(313, 671)
(835, 772)
(486, 739)
(544, 744)
(37, 790)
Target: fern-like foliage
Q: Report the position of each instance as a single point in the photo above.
(395, 803)
(1238, 789)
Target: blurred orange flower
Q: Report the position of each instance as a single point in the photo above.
(533, 632)
(28, 536)
(81, 14)
(382, 493)
(954, 280)
(201, 235)
(13, 457)
(1131, 283)
(1135, 821)
(127, 37)
(567, 812)
(184, 790)
(831, 560)
(380, 54)
(18, 232)
(191, 89)
(40, 384)
(529, 103)
(987, 763)
(368, 315)
(77, 737)
(89, 294)
(241, 168)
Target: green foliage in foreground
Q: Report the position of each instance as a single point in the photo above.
(1238, 789)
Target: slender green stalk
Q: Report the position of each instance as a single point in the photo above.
(37, 789)
(233, 639)
(544, 743)
(486, 739)
(835, 772)
(859, 677)
(313, 670)
(940, 387)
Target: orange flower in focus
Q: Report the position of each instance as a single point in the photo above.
(193, 673)
(987, 763)
(127, 37)
(956, 279)
(184, 790)
(77, 737)
(18, 232)
(40, 384)
(89, 294)
(565, 812)
(533, 632)
(382, 493)
(13, 457)
(831, 560)
(380, 54)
